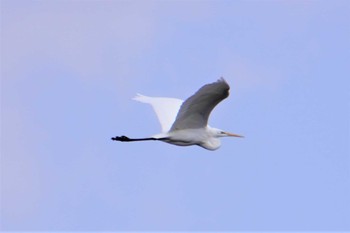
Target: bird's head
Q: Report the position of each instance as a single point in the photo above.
(221, 133)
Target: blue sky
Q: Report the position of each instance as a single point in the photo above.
(70, 68)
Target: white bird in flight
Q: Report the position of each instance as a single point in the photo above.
(185, 123)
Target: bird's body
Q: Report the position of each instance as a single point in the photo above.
(184, 123)
(203, 137)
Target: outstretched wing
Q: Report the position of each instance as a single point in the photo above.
(165, 108)
(195, 111)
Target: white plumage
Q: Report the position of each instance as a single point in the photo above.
(165, 108)
(186, 123)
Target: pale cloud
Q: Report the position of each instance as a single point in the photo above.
(186, 11)
(87, 37)
(21, 182)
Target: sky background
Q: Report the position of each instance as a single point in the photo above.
(70, 68)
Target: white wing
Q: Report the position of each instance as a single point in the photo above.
(166, 109)
(195, 111)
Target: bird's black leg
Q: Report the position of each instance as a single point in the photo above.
(126, 139)
(121, 138)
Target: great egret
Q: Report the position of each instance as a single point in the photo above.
(185, 123)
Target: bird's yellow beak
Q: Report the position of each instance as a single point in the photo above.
(234, 135)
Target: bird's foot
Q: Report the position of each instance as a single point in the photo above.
(121, 138)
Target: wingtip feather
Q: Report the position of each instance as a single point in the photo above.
(138, 97)
(221, 79)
